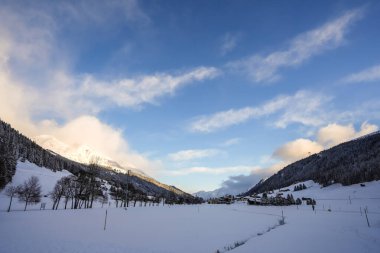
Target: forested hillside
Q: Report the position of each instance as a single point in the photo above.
(348, 163)
(15, 146)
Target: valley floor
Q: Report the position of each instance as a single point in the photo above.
(202, 228)
(195, 228)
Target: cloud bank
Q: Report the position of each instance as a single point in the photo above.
(40, 94)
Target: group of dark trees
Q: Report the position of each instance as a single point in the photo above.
(299, 187)
(349, 163)
(78, 191)
(28, 192)
(14, 146)
(279, 200)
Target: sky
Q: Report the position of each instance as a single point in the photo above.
(198, 94)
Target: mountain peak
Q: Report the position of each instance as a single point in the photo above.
(82, 153)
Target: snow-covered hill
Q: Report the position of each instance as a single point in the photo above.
(25, 170)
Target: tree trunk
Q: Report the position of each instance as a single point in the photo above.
(26, 204)
(59, 200)
(66, 200)
(10, 204)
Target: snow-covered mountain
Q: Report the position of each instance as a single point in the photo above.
(220, 192)
(87, 155)
(225, 190)
(82, 154)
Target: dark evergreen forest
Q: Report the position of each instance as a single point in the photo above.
(349, 163)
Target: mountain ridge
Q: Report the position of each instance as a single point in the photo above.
(348, 163)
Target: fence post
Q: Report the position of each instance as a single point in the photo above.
(105, 221)
(366, 211)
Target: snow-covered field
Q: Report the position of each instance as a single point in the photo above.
(201, 228)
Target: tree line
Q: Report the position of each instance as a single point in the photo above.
(81, 191)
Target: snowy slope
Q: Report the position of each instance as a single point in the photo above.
(25, 170)
(81, 153)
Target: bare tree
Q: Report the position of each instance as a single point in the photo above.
(11, 191)
(104, 198)
(57, 193)
(30, 191)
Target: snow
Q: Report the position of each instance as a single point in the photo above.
(199, 228)
(25, 170)
(83, 154)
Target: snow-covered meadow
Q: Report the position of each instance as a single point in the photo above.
(197, 228)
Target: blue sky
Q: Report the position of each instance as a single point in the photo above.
(199, 94)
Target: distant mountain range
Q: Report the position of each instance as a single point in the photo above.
(349, 163)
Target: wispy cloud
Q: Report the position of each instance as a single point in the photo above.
(229, 42)
(303, 107)
(131, 92)
(303, 47)
(101, 13)
(231, 142)
(368, 75)
(193, 154)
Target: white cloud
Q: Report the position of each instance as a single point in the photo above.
(193, 154)
(303, 107)
(90, 131)
(297, 149)
(229, 42)
(231, 142)
(306, 108)
(334, 134)
(143, 89)
(303, 47)
(368, 75)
